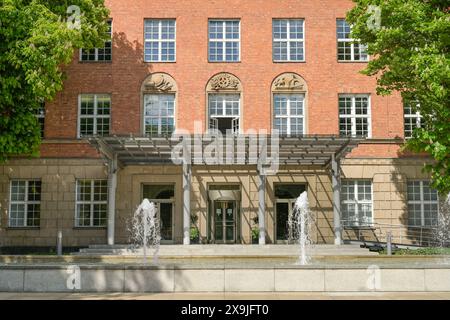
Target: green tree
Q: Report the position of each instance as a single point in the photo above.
(37, 39)
(409, 42)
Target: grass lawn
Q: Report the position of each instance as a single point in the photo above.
(421, 251)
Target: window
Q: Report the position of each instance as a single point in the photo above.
(354, 115)
(92, 203)
(159, 40)
(99, 54)
(288, 40)
(25, 204)
(224, 112)
(159, 114)
(423, 204)
(289, 116)
(94, 114)
(356, 202)
(40, 115)
(349, 49)
(224, 40)
(163, 196)
(412, 118)
(286, 196)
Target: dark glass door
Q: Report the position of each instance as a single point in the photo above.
(225, 221)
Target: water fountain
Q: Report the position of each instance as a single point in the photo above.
(300, 223)
(442, 231)
(145, 230)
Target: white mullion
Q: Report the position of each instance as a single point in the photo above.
(25, 207)
(353, 113)
(422, 205)
(355, 186)
(160, 40)
(91, 216)
(224, 41)
(95, 115)
(288, 47)
(288, 111)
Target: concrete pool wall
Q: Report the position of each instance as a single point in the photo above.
(174, 278)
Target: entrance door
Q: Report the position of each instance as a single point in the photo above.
(284, 210)
(225, 221)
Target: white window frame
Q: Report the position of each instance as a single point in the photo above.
(289, 40)
(352, 46)
(353, 116)
(224, 41)
(289, 116)
(422, 203)
(160, 40)
(224, 115)
(96, 49)
(92, 202)
(95, 116)
(357, 202)
(159, 116)
(414, 116)
(41, 115)
(25, 203)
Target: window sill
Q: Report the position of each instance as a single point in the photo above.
(101, 62)
(224, 62)
(90, 228)
(23, 228)
(359, 228)
(351, 61)
(279, 62)
(162, 62)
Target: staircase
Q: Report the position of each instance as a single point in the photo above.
(182, 251)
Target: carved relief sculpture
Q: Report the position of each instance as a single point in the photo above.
(224, 81)
(289, 82)
(158, 82)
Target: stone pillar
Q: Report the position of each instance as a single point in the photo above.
(336, 184)
(187, 175)
(112, 187)
(262, 209)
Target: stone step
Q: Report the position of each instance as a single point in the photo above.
(226, 251)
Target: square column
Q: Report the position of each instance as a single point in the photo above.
(336, 184)
(262, 209)
(187, 176)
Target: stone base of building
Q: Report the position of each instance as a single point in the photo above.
(230, 192)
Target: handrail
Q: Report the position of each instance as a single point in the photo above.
(401, 234)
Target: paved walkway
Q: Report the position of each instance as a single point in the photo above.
(231, 296)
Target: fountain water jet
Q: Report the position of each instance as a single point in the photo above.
(442, 231)
(145, 230)
(300, 227)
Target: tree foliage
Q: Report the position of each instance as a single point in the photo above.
(409, 42)
(37, 38)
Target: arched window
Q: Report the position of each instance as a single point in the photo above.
(289, 97)
(224, 103)
(159, 93)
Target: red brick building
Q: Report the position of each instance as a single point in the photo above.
(239, 65)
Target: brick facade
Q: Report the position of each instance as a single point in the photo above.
(64, 158)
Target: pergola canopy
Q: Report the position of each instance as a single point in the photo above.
(291, 150)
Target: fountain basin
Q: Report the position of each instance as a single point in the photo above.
(219, 274)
